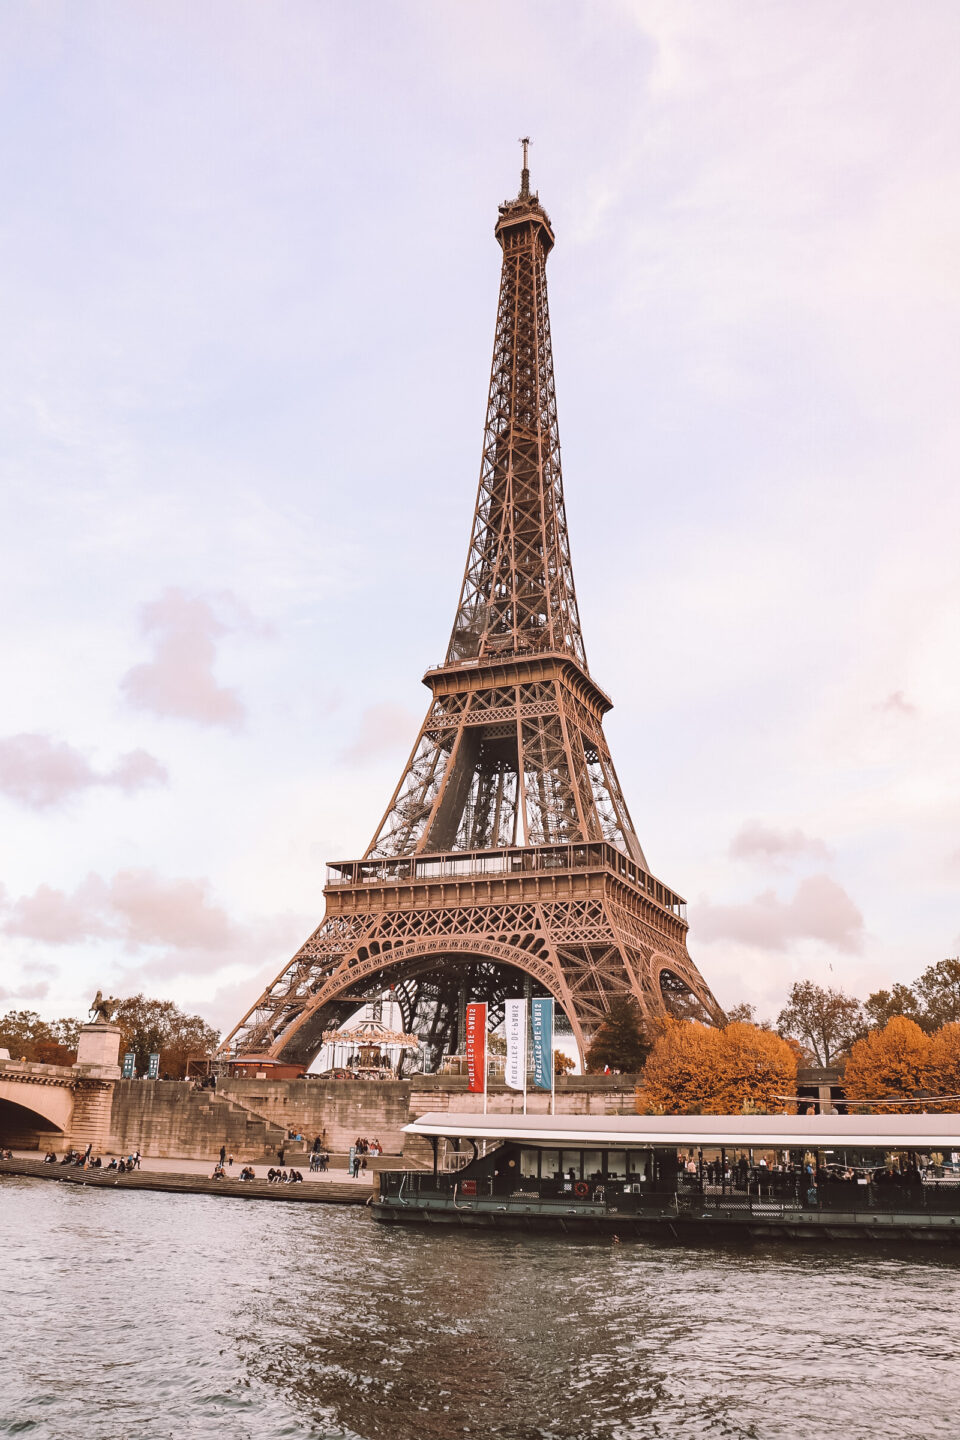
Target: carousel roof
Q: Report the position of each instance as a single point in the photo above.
(370, 1032)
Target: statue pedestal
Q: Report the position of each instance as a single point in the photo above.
(97, 1073)
(99, 1045)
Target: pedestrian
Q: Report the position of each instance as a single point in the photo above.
(223, 1155)
(136, 1159)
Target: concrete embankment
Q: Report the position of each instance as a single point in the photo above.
(328, 1192)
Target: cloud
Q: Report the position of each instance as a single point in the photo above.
(896, 704)
(40, 772)
(382, 728)
(179, 681)
(820, 910)
(37, 991)
(754, 840)
(167, 927)
(137, 907)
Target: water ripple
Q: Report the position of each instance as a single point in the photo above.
(173, 1316)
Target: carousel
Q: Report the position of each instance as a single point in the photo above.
(368, 1049)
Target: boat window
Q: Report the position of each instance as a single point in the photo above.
(529, 1161)
(616, 1165)
(593, 1164)
(550, 1164)
(641, 1164)
(570, 1161)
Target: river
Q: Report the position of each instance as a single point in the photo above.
(151, 1315)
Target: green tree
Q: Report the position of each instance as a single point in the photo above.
(159, 1026)
(824, 1019)
(746, 1014)
(50, 1042)
(883, 1005)
(938, 991)
(619, 1040)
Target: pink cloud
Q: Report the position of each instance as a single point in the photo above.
(179, 681)
(39, 772)
(381, 728)
(137, 907)
(896, 704)
(153, 911)
(754, 840)
(39, 991)
(820, 910)
(136, 769)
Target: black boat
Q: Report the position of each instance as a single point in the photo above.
(687, 1178)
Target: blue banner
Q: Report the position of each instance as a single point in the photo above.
(541, 1017)
(130, 1065)
(153, 1069)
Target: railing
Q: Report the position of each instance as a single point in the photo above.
(929, 1198)
(536, 859)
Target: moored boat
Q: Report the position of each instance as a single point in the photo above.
(687, 1178)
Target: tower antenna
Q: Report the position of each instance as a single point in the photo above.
(525, 172)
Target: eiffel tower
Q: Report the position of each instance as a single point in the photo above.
(506, 862)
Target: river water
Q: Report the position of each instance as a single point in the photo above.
(154, 1315)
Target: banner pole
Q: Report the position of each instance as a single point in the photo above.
(553, 1068)
(526, 1033)
(484, 1059)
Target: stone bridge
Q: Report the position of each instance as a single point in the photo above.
(70, 1104)
(61, 1105)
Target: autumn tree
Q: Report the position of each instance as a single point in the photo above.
(562, 1062)
(887, 1064)
(159, 1026)
(696, 1069)
(822, 1018)
(50, 1042)
(945, 1065)
(619, 1041)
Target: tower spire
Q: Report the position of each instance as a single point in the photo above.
(518, 595)
(525, 172)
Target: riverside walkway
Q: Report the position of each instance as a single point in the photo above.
(192, 1177)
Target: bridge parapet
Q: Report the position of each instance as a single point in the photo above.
(32, 1072)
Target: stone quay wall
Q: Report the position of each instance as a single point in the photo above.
(252, 1118)
(170, 1118)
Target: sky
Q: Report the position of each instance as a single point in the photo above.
(248, 282)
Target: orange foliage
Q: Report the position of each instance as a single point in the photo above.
(945, 1065)
(694, 1069)
(891, 1062)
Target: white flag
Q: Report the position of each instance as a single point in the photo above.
(516, 1026)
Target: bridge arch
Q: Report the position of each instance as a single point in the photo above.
(375, 967)
(28, 1108)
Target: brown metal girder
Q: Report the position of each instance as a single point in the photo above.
(516, 886)
(523, 669)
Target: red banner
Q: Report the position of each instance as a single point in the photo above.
(477, 1048)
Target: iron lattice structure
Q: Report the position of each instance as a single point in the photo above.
(506, 862)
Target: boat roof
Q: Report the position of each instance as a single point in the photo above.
(891, 1132)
